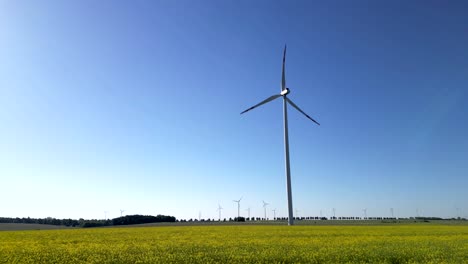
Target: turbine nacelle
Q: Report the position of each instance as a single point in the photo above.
(285, 92)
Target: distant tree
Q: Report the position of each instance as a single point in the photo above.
(239, 219)
(141, 219)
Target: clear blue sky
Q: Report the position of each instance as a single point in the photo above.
(108, 105)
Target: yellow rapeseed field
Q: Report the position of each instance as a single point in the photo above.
(240, 244)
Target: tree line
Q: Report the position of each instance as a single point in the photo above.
(144, 219)
(123, 220)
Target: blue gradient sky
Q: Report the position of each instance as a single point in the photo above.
(108, 105)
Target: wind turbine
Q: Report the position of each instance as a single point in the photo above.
(334, 215)
(121, 212)
(274, 214)
(238, 206)
(297, 213)
(365, 213)
(219, 210)
(264, 208)
(284, 92)
(391, 212)
(105, 215)
(248, 211)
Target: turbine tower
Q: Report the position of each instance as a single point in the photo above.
(248, 212)
(365, 213)
(297, 213)
(334, 215)
(286, 100)
(264, 208)
(274, 214)
(391, 212)
(219, 210)
(121, 212)
(238, 206)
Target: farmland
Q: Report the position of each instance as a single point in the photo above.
(431, 243)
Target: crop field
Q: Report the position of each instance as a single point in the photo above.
(417, 243)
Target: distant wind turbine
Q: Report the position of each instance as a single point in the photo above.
(264, 208)
(238, 206)
(334, 210)
(365, 213)
(274, 214)
(286, 100)
(248, 212)
(121, 212)
(297, 213)
(105, 215)
(219, 210)
(391, 212)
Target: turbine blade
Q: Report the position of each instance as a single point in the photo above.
(283, 78)
(271, 98)
(298, 109)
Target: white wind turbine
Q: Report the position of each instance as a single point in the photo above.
(248, 212)
(274, 214)
(219, 210)
(121, 212)
(238, 206)
(286, 100)
(264, 208)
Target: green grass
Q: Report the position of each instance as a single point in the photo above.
(416, 243)
(12, 227)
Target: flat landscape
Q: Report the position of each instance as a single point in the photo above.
(373, 243)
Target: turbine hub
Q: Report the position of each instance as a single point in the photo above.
(285, 92)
